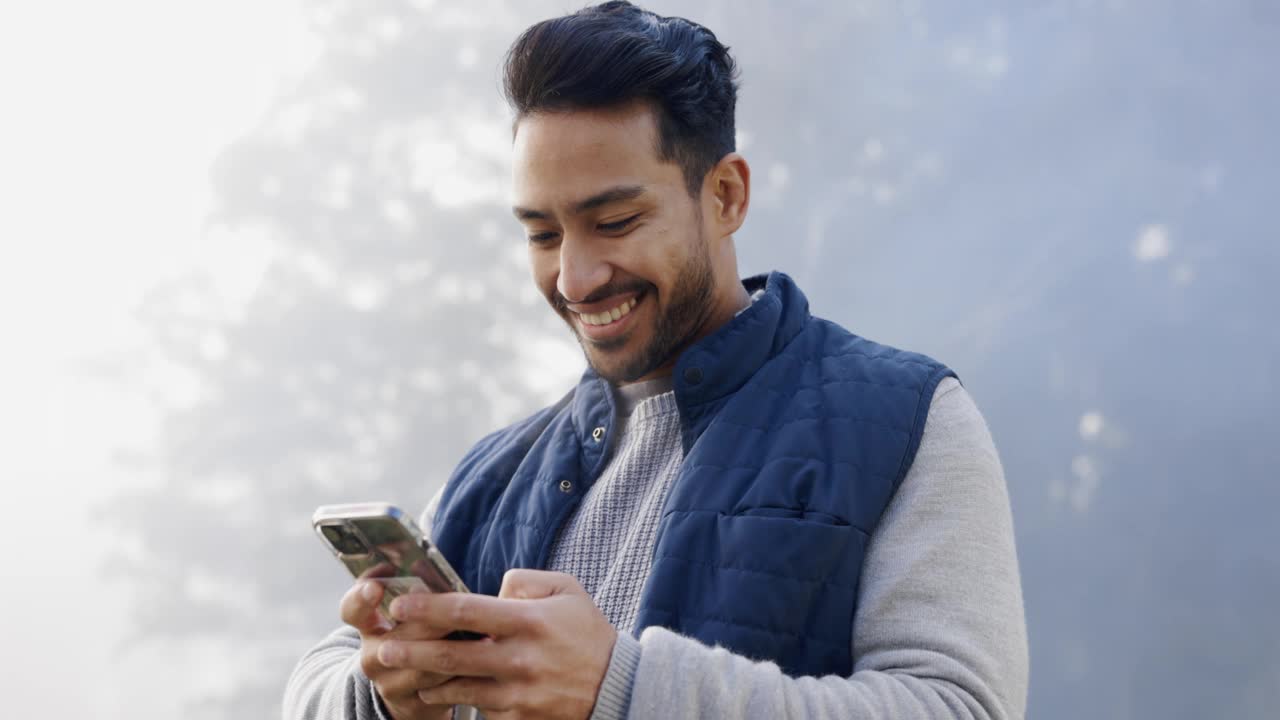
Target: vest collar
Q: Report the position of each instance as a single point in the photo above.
(716, 366)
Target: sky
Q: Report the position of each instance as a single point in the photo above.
(112, 115)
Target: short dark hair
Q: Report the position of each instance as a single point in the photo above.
(614, 53)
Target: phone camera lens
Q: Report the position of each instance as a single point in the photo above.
(343, 540)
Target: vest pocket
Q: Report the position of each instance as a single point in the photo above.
(768, 582)
(804, 514)
(794, 545)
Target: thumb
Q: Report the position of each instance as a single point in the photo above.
(519, 583)
(359, 608)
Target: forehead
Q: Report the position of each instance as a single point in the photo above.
(562, 157)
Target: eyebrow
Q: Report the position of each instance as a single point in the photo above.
(612, 195)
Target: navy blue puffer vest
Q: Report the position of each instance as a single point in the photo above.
(796, 435)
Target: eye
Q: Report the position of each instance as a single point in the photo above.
(542, 238)
(618, 226)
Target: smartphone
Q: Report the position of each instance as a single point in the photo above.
(379, 541)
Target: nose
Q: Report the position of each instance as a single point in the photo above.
(583, 269)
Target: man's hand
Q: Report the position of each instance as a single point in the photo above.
(398, 687)
(545, 656)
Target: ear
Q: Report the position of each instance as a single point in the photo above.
(728, 193)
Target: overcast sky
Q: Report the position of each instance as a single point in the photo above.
(112, 115)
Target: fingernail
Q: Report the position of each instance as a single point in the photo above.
(369, 591)
(397, 609)
(390, 654)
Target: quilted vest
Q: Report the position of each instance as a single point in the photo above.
(796, 435)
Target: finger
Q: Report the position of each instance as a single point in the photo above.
(400, 685)
(464, 611)
(403, 682)
(359, 608)
(472, 658)
(413, 630)
(484, 693)
(532, 584)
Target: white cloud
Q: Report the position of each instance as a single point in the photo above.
(1090, 424)
(1152, 243)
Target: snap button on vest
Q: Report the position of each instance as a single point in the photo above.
(693, 375)
(565, 486)
(597, 434)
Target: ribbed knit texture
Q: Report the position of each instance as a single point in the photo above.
(608, 542)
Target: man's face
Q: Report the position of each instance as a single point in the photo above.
(616, 244)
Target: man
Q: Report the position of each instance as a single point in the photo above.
(741, 510)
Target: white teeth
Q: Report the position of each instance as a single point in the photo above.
(608, 316)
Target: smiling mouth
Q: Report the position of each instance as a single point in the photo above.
(610, 316)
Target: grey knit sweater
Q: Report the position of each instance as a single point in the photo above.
(939, 630)
(608, 542)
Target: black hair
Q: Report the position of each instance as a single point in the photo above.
(614, 53)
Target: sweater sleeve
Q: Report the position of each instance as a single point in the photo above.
(939, 630)
(328, 684)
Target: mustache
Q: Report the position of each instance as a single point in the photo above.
(561, 303)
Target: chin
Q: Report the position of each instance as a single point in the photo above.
(613, 369)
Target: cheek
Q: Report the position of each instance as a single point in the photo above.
(676, 252)
(649, 255)
(545, 267)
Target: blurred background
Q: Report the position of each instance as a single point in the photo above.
(256, 256)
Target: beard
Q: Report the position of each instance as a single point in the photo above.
(675, 329)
